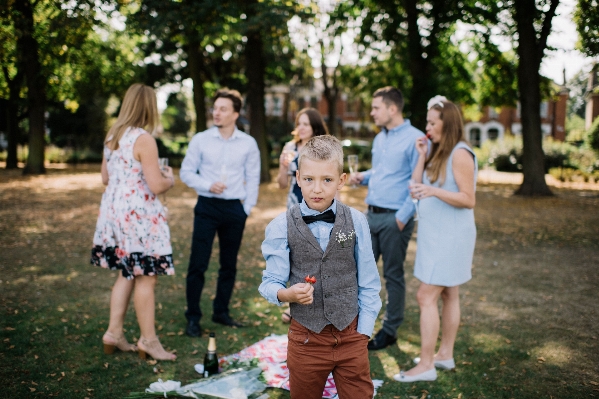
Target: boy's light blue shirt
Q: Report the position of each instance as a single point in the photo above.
(275, 249)
(394, 158)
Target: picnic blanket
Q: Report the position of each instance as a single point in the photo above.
(271, 353)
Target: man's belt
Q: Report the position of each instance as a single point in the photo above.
(376, 209)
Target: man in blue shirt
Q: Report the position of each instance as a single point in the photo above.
(390, 208)
(222, 165)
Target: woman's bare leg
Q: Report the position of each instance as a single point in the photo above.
(450, 322)
(145, 308)
(428, 297)
(119, 302)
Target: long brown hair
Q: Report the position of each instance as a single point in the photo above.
(139, 109)
(451, 134)
(316, 122)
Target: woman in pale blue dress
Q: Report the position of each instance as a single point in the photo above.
(445, 184)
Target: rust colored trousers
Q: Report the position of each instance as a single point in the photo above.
(311, 357)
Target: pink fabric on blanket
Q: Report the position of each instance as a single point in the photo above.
(271, 352)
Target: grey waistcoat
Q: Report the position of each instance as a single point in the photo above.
(336, 289)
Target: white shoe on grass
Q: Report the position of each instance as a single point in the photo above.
(440, 364)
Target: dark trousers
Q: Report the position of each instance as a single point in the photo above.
(392, 244)
(227, 219)
(312, 356)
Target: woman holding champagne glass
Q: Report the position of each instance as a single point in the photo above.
(308, 124)
(132, 234)
(445, 184)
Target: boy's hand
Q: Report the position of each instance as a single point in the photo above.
(301, 293)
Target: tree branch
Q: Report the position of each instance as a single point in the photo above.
(323, 68)
(546, 30)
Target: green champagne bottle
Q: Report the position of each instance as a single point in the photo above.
(211, 359)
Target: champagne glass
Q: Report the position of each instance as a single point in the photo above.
(289, 155)
(163, 164)
(352, 163)
(414, 200)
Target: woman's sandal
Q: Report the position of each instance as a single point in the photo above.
(154, 349)
(286, 317)
(111, 343)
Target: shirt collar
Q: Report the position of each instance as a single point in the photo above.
(398, 128)
(215, 133)
(311, 212)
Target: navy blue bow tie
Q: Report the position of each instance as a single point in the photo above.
(328, 216)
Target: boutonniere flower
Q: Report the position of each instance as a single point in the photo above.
(310, 280)
(342, 238)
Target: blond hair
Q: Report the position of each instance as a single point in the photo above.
(323, 148)
(451, 134)
(138, 109)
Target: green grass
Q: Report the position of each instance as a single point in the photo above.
(529, 316)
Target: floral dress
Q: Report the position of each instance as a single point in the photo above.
(131, 233)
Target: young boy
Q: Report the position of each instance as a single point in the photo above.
(332, 318)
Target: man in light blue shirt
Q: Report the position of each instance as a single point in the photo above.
(390, 207)
(222, 165)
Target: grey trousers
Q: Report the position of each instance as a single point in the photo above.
(392, 244)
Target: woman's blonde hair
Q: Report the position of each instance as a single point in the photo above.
(137, 110)
(451, 134)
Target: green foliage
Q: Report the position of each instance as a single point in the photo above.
(506, 155)
(84, 128)
(574, 175)
(586, 17)
(175, 119)
(593, 135)
(578, 87)
(361, 148)
(416, 39)
(496, 81)
(575, 128)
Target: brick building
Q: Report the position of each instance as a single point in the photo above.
(592, 98)
(495, 124)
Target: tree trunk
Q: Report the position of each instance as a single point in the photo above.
(195, 63)
(331, 95)
(255, 70)
(530, 55)
(420, 69)
(27, 51)
(12, 118)
(331, 92)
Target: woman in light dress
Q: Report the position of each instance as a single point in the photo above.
(308, 124)
(445, 184)
(132, 234)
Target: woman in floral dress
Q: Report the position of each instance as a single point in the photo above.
(132, 234)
